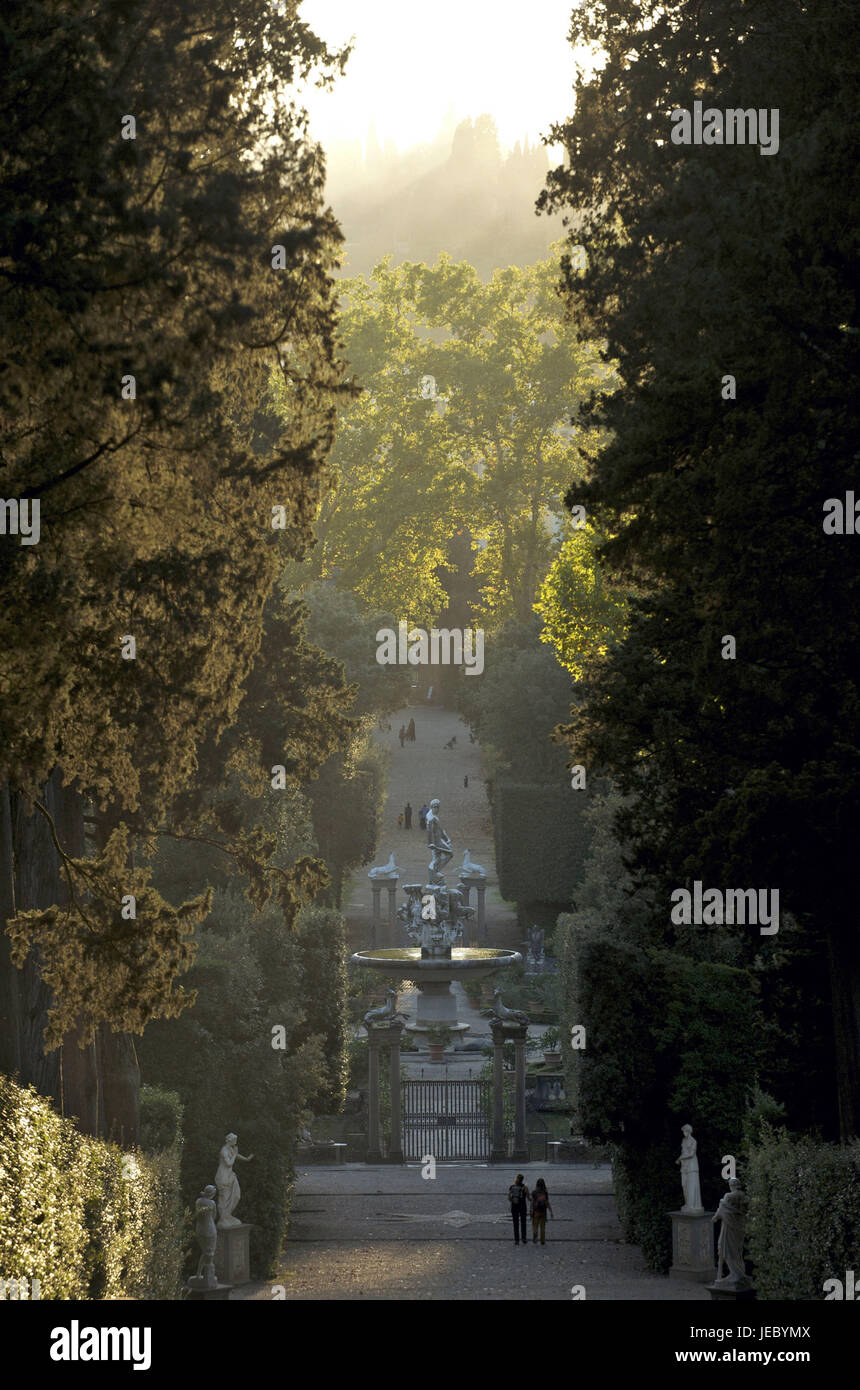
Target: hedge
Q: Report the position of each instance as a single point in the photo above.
(804, 1221)
(85, 1219)
(541, 837)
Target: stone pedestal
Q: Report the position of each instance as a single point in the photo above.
(232, 1257)
(195, 1294)
(693, 1250)
(728, 1295)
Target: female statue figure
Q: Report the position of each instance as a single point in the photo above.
(207, 1235)
(227, 1183)
(732, 1212)
(689, 1165)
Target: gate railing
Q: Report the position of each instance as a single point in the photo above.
(448, 1119)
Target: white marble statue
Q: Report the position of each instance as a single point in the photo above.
(388, 870)
(470, 869)
(227, 1183)
(438, 841)
(689, 1164)
(732, 1213)
(207, 1236)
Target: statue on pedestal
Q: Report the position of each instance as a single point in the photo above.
(689, 1165)
(439, 843)
(732, 1213)
(227, 1183)
(207, 1235)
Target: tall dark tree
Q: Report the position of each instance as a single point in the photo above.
(164, 250)
(722, 279)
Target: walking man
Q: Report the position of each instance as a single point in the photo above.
(466, 780)
(401, 735)
(422, 816)
(518, 1196)
(410, 732)
(407, 816)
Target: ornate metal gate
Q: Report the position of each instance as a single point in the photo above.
(448, 1119)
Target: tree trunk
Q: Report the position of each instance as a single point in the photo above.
(121, 1087)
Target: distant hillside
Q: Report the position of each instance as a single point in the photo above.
(459, 195)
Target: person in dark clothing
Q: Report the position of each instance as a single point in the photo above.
(540, 1208)
(401, 735)
(422, 816)
(407, 816)
(466, 780)
(518, 1196)
(410, 732)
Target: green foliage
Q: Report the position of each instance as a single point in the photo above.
(71, 1217)
(704, 263)
(646, 1190)
(490, 456)
(541, 840)
(582, 616)
(160, 1119)
(804, 1221)
(254, 974)
(321, 943)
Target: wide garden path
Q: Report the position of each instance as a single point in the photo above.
(419, 771)
(387, 1233)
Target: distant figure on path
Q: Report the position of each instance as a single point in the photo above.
(400, 820)
(410, 732)
(540, 1207)
(466, 780)
(407, 816)
(422, 816)
(402, 734)
(518, 1196)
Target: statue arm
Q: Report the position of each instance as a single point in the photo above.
(244, 1158)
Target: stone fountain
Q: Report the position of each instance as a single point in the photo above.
(433, 917)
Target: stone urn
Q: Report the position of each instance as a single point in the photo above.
(437, 1051)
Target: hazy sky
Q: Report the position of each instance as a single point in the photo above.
(414, 60)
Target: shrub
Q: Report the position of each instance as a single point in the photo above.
(79, 1215)
(160, 1119)
(804, 1222)
(541, 840)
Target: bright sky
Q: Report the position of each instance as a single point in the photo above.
(412, 61)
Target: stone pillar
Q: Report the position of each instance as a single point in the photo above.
(498, 1152)
(376, 889)
(391, 885)
(480, 887)
(521, 1148)
(481, 928)
(374, 1153)
(395, 1146)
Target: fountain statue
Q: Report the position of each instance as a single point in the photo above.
(433, 916)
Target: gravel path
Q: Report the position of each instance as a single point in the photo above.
(387, 1233)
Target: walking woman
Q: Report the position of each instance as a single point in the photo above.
(540, 1207)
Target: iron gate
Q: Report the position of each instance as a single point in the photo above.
(448, 1119)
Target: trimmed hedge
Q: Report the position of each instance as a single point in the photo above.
(542, 837)
(85, 1219)
(804, 1222)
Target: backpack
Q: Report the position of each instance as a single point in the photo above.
(516, 1194)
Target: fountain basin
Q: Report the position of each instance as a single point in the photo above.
(437, 1006)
